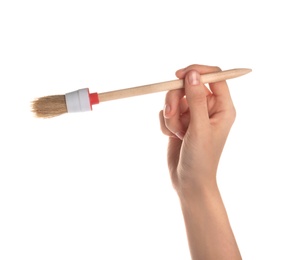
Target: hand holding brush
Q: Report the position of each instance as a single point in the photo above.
(197, 128)
(81, 100)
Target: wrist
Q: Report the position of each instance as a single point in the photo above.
(191, 193)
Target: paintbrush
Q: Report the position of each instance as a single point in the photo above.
(81, 100)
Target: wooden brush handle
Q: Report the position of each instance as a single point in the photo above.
(170, 85)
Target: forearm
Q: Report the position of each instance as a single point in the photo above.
(208, 229)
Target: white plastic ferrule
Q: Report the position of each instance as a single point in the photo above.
(78, 101)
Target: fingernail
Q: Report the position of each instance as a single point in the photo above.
(180, 135)
(193, 78)
(166, 110)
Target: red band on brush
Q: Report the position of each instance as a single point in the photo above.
(94, 98)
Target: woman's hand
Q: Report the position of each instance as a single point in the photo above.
(197, 121)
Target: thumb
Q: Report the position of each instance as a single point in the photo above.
(196, 97)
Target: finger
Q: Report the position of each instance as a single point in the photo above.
(225, 108)
(196, 98)
(172, 100)
(183, 105)
(175, 125)
(179, 73)
(172, 112)
(163, 127)
(220, 89)
(174, 146)
(168, 128)
(202, 69)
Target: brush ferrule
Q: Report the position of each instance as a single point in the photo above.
(78, 101)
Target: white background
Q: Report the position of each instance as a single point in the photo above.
(95, 185)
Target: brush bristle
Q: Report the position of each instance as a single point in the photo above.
(49, 106)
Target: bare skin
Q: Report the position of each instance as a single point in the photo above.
(197, 120)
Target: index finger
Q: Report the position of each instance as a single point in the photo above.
(202, 69)
(220, 88)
